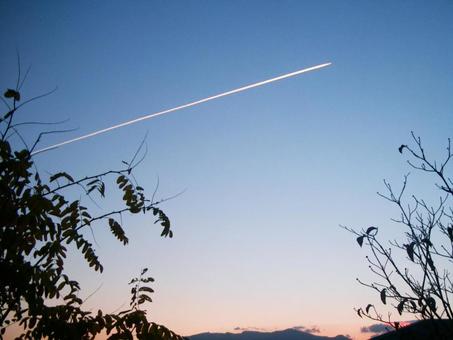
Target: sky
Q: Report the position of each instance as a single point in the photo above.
(267, 175)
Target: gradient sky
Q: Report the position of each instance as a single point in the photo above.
(269, 173)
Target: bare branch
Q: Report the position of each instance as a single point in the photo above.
(421, 287)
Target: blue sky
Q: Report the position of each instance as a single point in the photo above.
(269, 174)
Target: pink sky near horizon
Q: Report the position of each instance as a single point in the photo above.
(331, 330)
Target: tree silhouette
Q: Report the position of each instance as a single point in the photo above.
(413, 271)
(40, 225)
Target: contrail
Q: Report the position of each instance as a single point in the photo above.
(152, 115)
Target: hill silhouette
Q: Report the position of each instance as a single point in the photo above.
(288, 334)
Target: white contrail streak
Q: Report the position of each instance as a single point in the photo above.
(152, 115)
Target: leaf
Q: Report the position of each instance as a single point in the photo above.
(450, 233)
(383, 296)
(431, 303)
(359, 312)
(427, 241)
(92, 182)
(360, 240)
(142, 298)
(146, 289)
(410, 250)
(370, 229)
(400, 306)
(91, 189)
(61, 174)
(61, 285)
(101, 189)
(400, 149)
(10, 93)
(367, 309)
(32, 322)
(118, 231)
(8, 114)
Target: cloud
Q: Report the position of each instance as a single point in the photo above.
(244, 329)
(377, 328)
(311, 330)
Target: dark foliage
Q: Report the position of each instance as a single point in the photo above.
(39, 226)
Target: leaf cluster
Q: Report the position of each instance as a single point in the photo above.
(39, 226)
